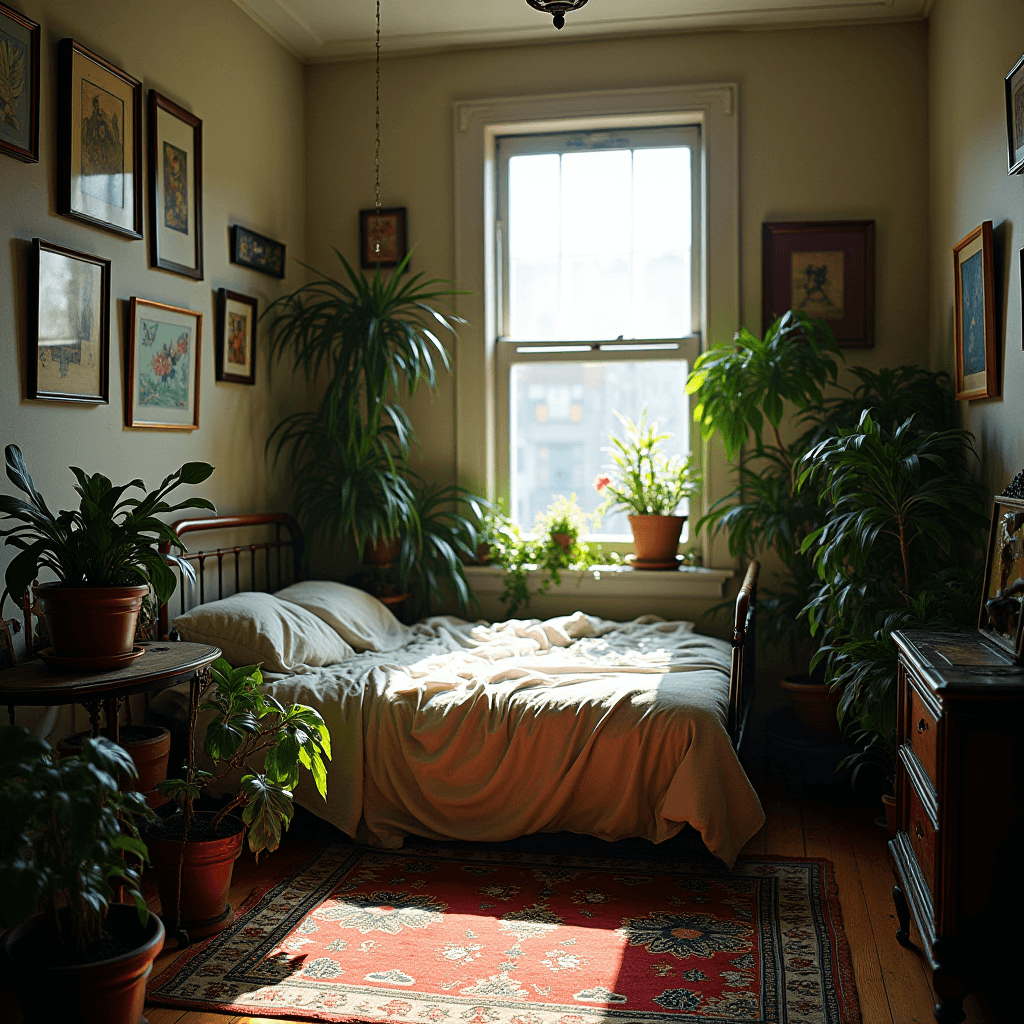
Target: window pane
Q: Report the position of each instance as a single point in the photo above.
(562, 415)
(599, 245)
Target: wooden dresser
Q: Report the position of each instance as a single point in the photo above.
(957, 855)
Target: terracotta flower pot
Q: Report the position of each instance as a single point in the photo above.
(889, 802)
(111, 991)
(656, 539)
(382, 552)
(815, 704)
(149, 747)
(205, 876)
(90, 622)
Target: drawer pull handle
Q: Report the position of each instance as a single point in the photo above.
(922, 726)
(918, 831)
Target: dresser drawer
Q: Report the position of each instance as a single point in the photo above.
(922, 731)
(923, 835)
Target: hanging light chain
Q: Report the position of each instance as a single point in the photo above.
(376, 150)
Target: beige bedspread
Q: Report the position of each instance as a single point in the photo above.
(491, 732)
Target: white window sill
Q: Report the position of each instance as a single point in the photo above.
(612, 581)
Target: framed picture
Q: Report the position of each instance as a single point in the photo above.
(1015, 118)
(19, 85)
(68, 325)
(175, 188)
(7, 657)
(164, 347)
(974, 315)
(236, 337)
(386, 229)
(825, 269)
(257, 252)
(100, 142)
(1000, 617)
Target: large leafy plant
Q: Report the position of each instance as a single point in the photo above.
(246, 723)
(67, 834)
(110, 540)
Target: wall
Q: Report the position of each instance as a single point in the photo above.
(215, 61)
(968, 57)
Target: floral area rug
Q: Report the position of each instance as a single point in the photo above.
(470, 937)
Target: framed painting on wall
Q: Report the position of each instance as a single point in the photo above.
(383, 237)
(1015, 119)
(825, 269)
(1000, 617)
(164, 348)
(100, 141)
(68, 325)
(974, 315)
(257, 252)
(175, 188)
(19, 85)
(236, 337)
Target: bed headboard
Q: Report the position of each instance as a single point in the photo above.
(744, 640)
(281, 560)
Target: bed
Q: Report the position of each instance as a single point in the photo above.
(473, 731)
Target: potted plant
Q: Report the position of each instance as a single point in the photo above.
(194, 852)
(104, 555)
(67, 836)
(651, 486)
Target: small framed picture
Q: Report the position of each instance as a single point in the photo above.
(1002, 600)
(974, 315)
(257, 252)
(1015, 118)
(7, 657)
(825, 269)
(164, 347)
(100, 141)
(382, 237)
(175, 188)
(68, 325)
(236, 337)
(19, 85)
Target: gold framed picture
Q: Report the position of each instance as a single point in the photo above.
(164, 349)
(1002, 601)
(237, 316)
(974, 315)
(100, 142)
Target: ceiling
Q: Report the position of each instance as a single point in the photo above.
(326, 30)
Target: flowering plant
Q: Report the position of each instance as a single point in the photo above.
(644, 480)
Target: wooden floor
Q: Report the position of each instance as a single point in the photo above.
(891, 981)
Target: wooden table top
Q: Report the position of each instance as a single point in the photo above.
(163, 664)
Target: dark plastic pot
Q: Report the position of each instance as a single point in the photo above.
(205, 878)
(815, 704)
(105, 992)
(656, 539)
(90, 622)
(889, 803)
(149, 747)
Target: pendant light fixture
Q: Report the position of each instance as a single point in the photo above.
(557, 8)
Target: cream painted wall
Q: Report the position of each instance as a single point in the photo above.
(969, 57)
(212, 59)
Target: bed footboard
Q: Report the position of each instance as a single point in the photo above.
(744, 655)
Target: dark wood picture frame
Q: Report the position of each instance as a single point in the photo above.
(972, 381)
(1001, 615)
(131, 358)
(846, 243)
(158, 102)
(396, 217)
(1015, 119)
(30, 153)
(35, 389)
(67, 52)
(224, 371)
(257, 252)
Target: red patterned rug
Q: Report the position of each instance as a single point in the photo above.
(469, 937)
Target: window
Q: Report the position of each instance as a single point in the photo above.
(599, 302)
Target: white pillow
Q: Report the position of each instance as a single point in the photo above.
(255, 627)
(359, 617)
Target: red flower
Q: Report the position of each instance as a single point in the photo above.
(601, 482)
(182, 345)
(161, 364)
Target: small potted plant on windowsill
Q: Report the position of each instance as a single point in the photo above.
(64, 826)
(651, 486)
(194, 853)
(104, 555)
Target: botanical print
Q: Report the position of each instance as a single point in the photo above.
(257, 253)
(1006, 585)
(163, 362)
(70, 292)
(972, 313)
(238, 338)
(175, 188)
(102, 145)
(14, 105)
(817, 284)
(1018, 116)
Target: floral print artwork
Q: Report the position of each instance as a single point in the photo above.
(164, 365)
